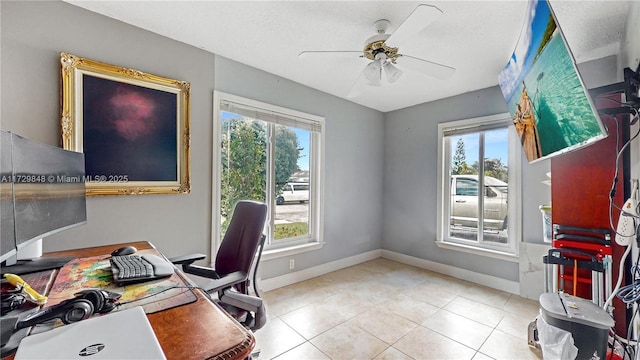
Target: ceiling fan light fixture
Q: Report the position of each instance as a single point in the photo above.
(382, 50)
(373, 73)
(393, 73)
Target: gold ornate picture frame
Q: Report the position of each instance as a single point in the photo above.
(133, 127)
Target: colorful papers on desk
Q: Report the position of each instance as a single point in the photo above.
(95, 272)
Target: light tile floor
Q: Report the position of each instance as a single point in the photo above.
(383, 309)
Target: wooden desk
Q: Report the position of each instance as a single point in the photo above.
(198, 330)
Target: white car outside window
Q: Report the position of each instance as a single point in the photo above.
(464, 202)
(293, 192)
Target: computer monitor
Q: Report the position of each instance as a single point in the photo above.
(48, 197)
(7, 227)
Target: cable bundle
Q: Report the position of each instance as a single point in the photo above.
(629, 294)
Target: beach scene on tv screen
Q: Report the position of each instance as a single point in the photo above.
(543, 90)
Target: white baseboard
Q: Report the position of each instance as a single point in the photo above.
(480, 279)
(294, 277)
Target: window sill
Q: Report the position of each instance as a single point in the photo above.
(478, 251)
(291, 250)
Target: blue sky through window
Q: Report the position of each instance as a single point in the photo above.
(304, 143)
(496, 146)
(303, 140)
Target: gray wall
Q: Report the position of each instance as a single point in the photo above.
(34, 33)
(410, 182)
(410, 176)
(380, 183)
(353, 162)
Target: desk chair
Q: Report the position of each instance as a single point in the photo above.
(230, 278)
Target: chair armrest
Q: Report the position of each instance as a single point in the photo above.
(242, 301)
(202, 271)
(187, 259)
(229, 280)
(252, 304)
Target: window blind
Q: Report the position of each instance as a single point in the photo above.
(271, 116)
(461, 130)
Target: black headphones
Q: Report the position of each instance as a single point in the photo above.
(103, 301)
(86, 303)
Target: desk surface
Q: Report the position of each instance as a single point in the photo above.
(198, 330)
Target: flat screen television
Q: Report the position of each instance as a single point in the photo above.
(550, 106)
(47, 196)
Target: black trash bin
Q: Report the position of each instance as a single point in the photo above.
(588, 323)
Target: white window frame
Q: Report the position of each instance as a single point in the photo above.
(443, 240)
(312, 241)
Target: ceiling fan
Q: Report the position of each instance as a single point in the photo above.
(382, 50)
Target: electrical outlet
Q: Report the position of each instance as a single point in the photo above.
(626, 231)
(292, 264)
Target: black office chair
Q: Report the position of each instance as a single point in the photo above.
(230, 278)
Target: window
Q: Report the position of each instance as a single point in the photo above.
(270, 154)
(477, 206)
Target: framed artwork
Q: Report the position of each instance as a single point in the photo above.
(132, 127)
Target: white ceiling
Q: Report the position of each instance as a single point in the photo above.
(475, 37)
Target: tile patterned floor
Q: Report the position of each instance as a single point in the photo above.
(382, 309)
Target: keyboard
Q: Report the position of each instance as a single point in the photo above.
(129, 269)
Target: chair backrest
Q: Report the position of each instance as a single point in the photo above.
(242, 239)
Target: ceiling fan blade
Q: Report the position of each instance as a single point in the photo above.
(426, 67)
(333, 54)
(419, 18)
(358, 86)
